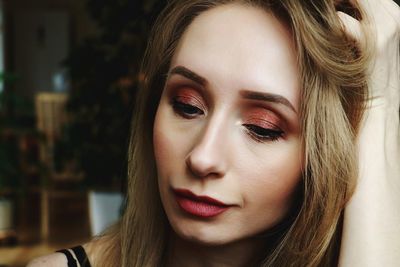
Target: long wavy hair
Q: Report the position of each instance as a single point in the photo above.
(333, 94)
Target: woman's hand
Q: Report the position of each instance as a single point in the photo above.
(383, 21)
(371, 233)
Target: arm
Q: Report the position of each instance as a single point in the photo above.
(52, 260)
(371, 230)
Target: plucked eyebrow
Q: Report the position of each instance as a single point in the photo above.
(185, 72)
(268, 97)
(247, 94)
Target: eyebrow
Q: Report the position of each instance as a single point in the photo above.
(268, 97)
(185, 72)
(247, 94)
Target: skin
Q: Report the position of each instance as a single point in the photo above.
(202, 143)
(371, 230)
(371, 226)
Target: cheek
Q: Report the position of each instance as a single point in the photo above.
(170, 141)
(271, 182)
(162, 153)
(161, 142)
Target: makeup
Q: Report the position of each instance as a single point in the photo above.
(226, 136)
(200, 206)
(190, 97)
(262, 124)
(262, 117)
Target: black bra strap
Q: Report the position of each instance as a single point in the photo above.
(70, 258)
(81, 256)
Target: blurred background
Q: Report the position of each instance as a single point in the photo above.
(69, 70)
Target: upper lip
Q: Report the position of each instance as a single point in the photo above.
(190, 195)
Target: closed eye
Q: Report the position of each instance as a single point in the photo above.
(186, 110)
(261, 134)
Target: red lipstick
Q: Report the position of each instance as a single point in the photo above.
(201, 206)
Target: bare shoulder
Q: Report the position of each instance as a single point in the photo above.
(94, 248)
(52, 260)
(102, 249)
(90, 250)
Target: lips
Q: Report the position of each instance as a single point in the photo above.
(200, 206)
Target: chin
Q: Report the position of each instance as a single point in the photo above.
(205, 235)
(205, 239)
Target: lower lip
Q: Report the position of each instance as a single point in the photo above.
(200, 209)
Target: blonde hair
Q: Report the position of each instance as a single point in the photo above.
(332, 103)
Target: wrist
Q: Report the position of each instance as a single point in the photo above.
(381, 120)
(379, 144)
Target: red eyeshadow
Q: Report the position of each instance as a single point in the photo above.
(262, 117)
(186, 92)
(189, 96)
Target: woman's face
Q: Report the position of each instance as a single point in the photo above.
(226, 132)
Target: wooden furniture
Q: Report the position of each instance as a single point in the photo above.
(50, 118)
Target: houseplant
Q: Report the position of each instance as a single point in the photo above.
(103, 72)
(104, 76)
(8, 161)
(17, 160)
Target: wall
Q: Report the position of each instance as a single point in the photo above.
(39, 36)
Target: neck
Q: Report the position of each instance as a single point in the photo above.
(240, 253)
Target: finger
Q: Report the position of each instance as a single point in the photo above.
(351, 26)
(349, 7)
(384, 20)
(381, 10)
(393, 10)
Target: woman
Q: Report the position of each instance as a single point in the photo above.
(244, 148)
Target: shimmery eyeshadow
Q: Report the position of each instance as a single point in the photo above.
(262, 117)
(189, 96)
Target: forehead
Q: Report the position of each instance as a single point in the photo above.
(236, 46)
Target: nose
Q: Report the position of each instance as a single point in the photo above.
(208, 157)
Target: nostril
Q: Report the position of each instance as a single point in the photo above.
(207, 157)
(195, 167)
(202, 166)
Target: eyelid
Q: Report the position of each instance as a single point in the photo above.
(279, 118)
(190, 100)
(187, 95)
(263, 117)
(176, 82)
(263, 123)
(272, 134)
(186, 111)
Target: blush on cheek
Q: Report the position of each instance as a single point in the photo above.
(159, 146)
(287, 187)
(166, 143)
(276, 182)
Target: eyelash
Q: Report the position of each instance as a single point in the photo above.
(185, 110)
(258, 133)
(261, 134)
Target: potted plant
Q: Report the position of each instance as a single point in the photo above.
(9, 173)
(8, 167)
(104, 75)
(16, 129)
